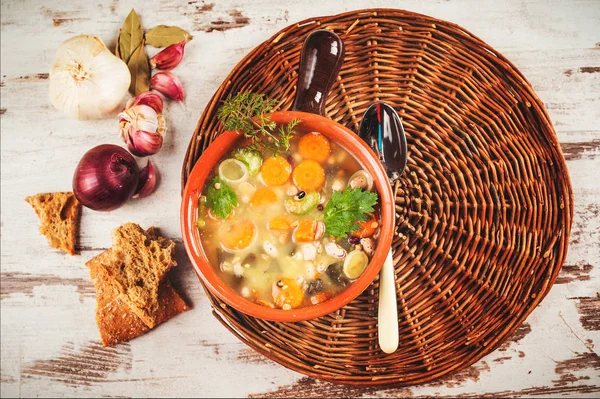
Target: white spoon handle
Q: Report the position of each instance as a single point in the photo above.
(388, 307)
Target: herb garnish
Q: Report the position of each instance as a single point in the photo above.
(346, 208)
(220, 197)
(248, 113)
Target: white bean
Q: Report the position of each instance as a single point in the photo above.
(319, 247)
(226, 267)
(322, 267)
(238, 269)
(335, 251)
(309, 270)
(270, 249)
(368, 245)
(309, 251)
(319, 231)
(361, 179)
(337, 185)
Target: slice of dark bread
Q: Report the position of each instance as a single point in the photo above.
(142, 260)
(59, 215)
(116, 320)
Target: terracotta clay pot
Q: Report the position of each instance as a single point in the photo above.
(320, 61)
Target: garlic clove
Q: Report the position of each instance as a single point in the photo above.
(142, 129)
(142, 143)
(168, 58)
(146, 182)
(148, 98)
(143, 117)
(86, 80)
(168, 85)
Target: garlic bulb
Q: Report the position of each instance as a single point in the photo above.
(86, 80)
(142, 124)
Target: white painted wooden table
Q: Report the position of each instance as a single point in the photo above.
(49, 342)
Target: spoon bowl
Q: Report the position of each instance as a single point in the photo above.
(381, 128)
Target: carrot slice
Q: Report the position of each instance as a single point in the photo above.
(314, 146)
(309, 175)
(306, 230)
(287, 293)
(280, 227)
(367, 228)
(275, 171)
(238, 235)
(279, 223)
(263, 196)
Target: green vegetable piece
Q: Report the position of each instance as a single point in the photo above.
(220, 197)
(201, 222)
(345, 209)
(251, 158)
(304, 205)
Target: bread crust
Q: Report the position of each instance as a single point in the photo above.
(142, 260)
(59, 216)
(117, 317)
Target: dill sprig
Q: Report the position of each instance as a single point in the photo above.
(248, 113)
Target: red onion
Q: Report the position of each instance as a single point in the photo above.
(105, 178)
(147, 181)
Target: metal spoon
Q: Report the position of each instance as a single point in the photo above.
(382, 129)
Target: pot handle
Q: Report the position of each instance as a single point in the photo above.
(320, 62)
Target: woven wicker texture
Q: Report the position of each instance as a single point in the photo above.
(484, 207)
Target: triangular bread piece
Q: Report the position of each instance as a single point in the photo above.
(116, 320)
(142, 260)
(59, 215)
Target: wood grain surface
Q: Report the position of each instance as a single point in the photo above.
(50, 345)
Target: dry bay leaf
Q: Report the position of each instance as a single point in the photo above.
(139, 67)
(117, 50)
(163, 36)
(130, 37)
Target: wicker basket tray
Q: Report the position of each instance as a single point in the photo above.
(484, 207)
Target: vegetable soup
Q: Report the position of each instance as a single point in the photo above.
(289, 228)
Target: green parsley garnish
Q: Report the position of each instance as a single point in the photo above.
(248, 113)
(220, 197)
(345, 209)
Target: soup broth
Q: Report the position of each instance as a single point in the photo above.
(272, 247)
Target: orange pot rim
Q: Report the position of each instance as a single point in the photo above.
(207, 273)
